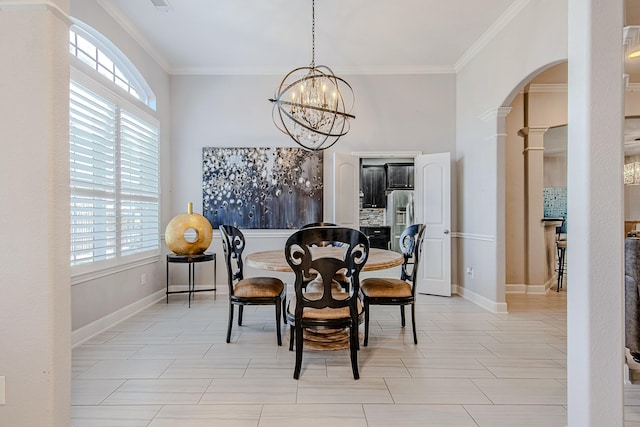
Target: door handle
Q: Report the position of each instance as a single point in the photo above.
(446, 231)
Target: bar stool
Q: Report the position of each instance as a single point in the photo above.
(561, 251)
(561, 247)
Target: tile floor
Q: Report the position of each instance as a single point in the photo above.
(170, 366)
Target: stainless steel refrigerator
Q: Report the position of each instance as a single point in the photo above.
(399, 214)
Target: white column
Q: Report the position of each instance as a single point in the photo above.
(595, 208)
(35, 318)
(495, 120)
(534, 209)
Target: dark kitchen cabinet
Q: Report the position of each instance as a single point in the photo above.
(379, 237)
(399, 176)
(372, 183)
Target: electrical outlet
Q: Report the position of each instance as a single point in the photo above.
(470, 272)
(2, 399)
(143, 279)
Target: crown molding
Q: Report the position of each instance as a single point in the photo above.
(500, 23)
(37, 4)
(133, 32)
(563, 88)
(495, 113)
(339, 70)
(386, 154)
(548, 88)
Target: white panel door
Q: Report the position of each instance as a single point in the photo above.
(346, 190)
(433, 209)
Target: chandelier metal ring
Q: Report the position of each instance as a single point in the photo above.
(312, 105)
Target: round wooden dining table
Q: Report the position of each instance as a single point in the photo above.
(378, 259)
(318, 339)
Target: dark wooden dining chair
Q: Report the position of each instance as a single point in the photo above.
(319, 224)
(340, 278)
(391, 291)
(327, 308)
(248, 290)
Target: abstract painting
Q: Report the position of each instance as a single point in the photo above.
(265, 188)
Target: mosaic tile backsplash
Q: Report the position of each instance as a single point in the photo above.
(370, 217)
(555, 202)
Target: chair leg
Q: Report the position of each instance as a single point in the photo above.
(558, 270)
(230, 322)
(240, 310)
(402, 315)
(284, 310)
(413, 323)
(292, 337)
(278, 313)
(366, 323)
(353, 348)
(299, 345)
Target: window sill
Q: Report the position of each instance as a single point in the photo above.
(79, 278)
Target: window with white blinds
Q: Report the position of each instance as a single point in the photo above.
(114, 181)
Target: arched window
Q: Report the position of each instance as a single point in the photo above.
(96, 51)
(114, 159)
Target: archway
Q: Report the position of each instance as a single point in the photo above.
(529, 253)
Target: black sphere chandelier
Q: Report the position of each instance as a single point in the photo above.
(310, 105)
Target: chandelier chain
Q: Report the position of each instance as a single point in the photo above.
(313, 33)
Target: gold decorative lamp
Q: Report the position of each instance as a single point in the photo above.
(188, 233)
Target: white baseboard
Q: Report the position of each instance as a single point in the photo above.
(487, 304)
(627, 374)
(219, 289)
(537, 289)
(522, 289)
(94, 328)
(515, 288)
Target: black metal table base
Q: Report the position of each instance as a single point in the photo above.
(191, 260)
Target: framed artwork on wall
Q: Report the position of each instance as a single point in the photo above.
(262, 187)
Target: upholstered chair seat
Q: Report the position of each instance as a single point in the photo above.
(258, 287)
(323, 313)
(384, 287)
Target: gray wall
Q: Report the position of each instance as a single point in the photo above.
(393, 113)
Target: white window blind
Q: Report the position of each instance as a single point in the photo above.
(139, 185)
(114, 181)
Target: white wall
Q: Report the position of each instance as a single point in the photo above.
(488, 81)
(555, 171)
(94, 299)
(35, 333)
(393, 113)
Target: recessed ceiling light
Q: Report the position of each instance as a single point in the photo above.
(162, 5)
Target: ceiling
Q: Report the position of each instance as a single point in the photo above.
(274, 36)
(352, 36)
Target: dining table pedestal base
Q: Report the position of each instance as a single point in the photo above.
(326, 339)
